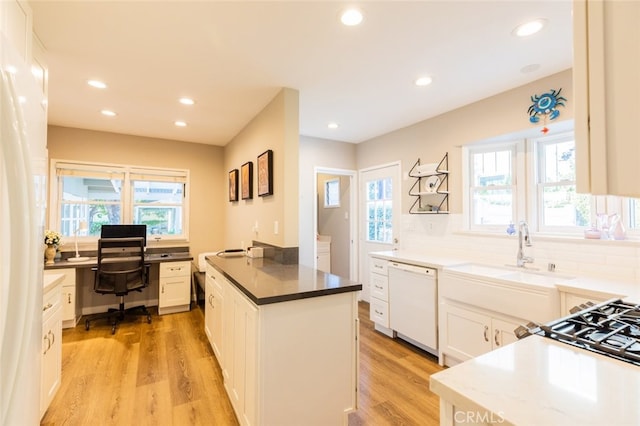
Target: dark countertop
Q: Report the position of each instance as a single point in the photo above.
(265, 281)
(149, 258)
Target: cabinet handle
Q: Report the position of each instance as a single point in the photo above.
(378, 286)
(46, 338)
(69, 298)
(486, 330)
(47, 306)
(162, 288)
(53, 337)
(495, 337)
(378, 312)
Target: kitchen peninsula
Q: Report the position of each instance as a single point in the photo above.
(285, 337)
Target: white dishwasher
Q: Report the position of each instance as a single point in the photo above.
(413, 302)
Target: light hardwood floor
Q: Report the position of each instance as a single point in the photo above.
(165, 373)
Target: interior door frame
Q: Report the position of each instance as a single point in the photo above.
(353, 215)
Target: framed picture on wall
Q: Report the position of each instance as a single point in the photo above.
(246, 179)
(233, 185)
(265, 173)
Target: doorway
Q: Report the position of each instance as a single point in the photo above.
(336, 219)
(380, 199)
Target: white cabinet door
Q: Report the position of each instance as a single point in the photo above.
(208, 309)
(606, 89)
(216, 326)
(464, 334)
(503, 332)
(70, 309)
(51, 367)
(175, 287)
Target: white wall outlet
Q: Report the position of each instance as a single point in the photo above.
(275, 227)
(255, 227)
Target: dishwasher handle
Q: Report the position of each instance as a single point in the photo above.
(413, 269)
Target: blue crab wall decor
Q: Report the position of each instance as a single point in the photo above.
(546, 105)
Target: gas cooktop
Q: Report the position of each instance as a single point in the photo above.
(610, 328)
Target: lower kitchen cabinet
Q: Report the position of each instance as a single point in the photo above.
(379, 290)
(466, 332)
(280, 361)
(71, 311)
(175, 287)
(51, 367)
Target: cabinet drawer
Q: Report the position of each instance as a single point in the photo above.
(379, 286)
(175, 269)
(379, 312)
(51, 302)
(379, 266)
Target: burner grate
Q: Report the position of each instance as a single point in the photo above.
(611, 328)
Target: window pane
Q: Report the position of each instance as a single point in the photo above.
(379, 210)
(160, 220)
(634, 213)
(492, 207)
(90, 189)
(492, 168)
(93, 200)
(559, 162)
(562, 206)
(157, 192)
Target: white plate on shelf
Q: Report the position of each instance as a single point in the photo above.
(431, 184)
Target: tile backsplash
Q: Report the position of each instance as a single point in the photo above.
(443, 235)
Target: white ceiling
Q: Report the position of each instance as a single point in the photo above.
(233, 57)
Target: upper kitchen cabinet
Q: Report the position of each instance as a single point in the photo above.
(606, 66)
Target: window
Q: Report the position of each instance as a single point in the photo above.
(103, 194)
(379, 210)
(560, 207)
(492, 186)
(499, 196)
(332, 193)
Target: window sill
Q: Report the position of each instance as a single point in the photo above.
(631, 241)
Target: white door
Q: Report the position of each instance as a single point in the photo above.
(380, 215)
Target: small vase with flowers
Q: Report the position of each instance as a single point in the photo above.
(53, 240)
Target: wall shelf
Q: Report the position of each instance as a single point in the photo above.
(431, 187)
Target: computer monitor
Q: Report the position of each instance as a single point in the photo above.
(124, 231)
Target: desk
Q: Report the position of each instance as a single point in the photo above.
(169, 286)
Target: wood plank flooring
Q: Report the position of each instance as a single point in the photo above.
(165, 373)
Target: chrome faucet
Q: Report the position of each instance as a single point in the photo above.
(523, 233)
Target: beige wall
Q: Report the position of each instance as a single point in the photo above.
(204, 162)
(275, 128)
(429, 140)
(323, 153)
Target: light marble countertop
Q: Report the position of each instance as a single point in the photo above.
(538, 381)
(50, 281)
(588, 286)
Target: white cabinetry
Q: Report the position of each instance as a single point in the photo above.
(469, 332)
(51, 367)
(569, 300)
(275, 371)
(478, 314)
(379, 290)
(323, 249)
(606, 89)
(71, 311)
(213, 313)
(175, 287)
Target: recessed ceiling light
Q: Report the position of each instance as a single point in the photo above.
(529, 28)
(423, 81)
(332, 125)
(180, 124)
(186, 101)
(351, 17)
(97, 84)
(108, 113)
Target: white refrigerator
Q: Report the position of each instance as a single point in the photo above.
(23, 162)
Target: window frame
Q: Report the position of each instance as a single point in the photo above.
(127, 197)
(518, 175)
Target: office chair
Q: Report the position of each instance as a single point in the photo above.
(120, 269)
